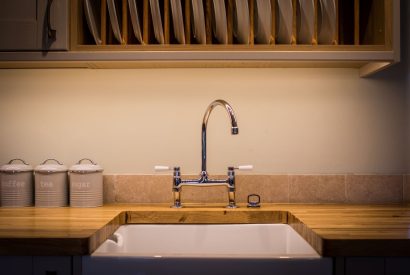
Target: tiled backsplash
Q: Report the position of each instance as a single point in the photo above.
(349, 188)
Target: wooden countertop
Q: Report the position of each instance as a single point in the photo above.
(333, 230)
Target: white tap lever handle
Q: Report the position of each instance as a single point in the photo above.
(159, 168)
(245, 167)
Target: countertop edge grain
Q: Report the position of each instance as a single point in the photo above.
(307, 233)
(96, 239)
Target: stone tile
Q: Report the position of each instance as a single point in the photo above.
(406, 189)
(374, 189)
(271, 188)
(143, 189)
(212, 194)
(109, 188)
(317, 189)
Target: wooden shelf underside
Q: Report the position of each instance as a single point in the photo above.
(368, 61)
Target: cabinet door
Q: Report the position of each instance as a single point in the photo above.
(18, 25)
(16, 265)
(398, 266)
(49, 265)
(364, 265)
(58, 22)
(24, 25)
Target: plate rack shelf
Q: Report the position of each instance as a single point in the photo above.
(366, 36)
(360, 25)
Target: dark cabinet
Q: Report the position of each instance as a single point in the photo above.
(38, 265)
(27, 25)
(372, 265)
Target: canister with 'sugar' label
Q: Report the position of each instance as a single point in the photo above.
(86, 184)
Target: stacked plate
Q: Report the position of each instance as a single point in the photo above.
(51, 186)
(326, 21)
(16, 184)
(92, 9)
(284, 21)
(263, 22)
(86, 185)
(157, 21)
(114, 15)
(306, 22)
(219, 21)
(198, 15)
(178, 21)
(241, 21)
(135, 20)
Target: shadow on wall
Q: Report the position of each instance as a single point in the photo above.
(400, 73)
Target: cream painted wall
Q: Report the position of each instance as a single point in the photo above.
(290, 120)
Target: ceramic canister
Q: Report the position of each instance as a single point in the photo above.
(51, 184)
(86, 184)
(16, 184)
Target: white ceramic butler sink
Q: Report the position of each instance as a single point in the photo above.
(206, 249)
(207, 241)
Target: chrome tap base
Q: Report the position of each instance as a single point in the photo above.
(203, 181)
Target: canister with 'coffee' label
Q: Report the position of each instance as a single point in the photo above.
(16, 184)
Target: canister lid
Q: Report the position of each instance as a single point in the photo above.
(11, 167)
(51, 167)
(86, 167)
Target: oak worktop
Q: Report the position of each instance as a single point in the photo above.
(333, 230)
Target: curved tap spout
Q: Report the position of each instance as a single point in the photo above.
(234, 128)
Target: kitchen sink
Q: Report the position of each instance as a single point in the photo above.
(206, 249)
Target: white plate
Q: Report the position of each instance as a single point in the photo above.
(93, 18)
(220, 26)
(306, 22)
(263, 22)
(241, 21)
(178, 21)
(132, 5)
(326, 21)
(199, 31)
(284, 21)
(112, 11)
(157, 21)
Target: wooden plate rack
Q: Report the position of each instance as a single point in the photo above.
(359, 23)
